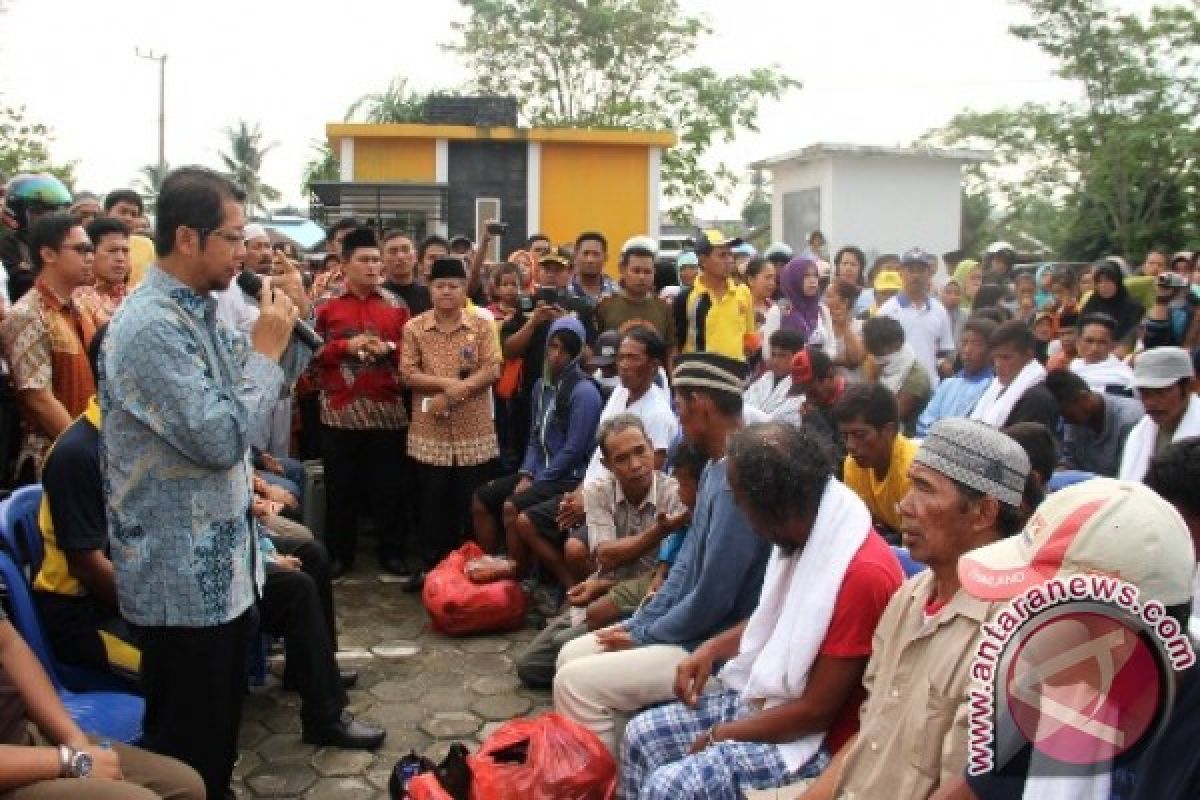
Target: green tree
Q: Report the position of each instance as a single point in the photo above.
(323, 165)
(1116, 171)
(243, 162)
(25, 146)
(618, 64)
(756, 213)
(396, 103)
(148, 182)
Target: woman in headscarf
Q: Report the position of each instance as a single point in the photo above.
(969, 275)
(802, 309)
(1111, 297)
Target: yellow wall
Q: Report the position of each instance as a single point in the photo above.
(594, 187)
(394, 160)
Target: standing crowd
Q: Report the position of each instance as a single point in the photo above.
(761, 505)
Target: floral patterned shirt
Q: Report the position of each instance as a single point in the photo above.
(180, 397)
(468, 435)
(45, 340)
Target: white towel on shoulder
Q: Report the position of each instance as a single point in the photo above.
(785, 632)
(998, 401)
(1139, 444)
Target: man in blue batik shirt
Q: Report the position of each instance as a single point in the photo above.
(181, 397)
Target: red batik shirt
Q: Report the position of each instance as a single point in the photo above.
(356, 393)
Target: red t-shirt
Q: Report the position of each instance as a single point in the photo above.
(872, 577)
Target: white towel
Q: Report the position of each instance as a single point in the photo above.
(1139, 445)
(772, 397)
(1109, 372)
(786, 630)
(997, 401)
(894, 369)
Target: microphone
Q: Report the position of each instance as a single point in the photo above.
(249, 282)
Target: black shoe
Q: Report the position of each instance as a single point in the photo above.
(338, 568)
(416, 583)
(396, 566)
(347, 733)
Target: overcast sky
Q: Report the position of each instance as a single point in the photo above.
(874, 71)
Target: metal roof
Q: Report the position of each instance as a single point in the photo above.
(821, 150)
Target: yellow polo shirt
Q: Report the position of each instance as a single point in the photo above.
(719, 326)
(141, 256)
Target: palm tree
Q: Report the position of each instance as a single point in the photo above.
(323, 166)
(396, 103)
(244, 161)
(148, 182)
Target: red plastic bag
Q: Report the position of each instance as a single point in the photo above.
(426, 787)
(458, 606)
(546, 758)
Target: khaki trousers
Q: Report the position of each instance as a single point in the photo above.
(148, 776)
(602, 690)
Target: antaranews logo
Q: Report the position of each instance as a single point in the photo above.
(1079, 669)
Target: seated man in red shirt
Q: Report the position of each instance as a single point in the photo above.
(792, 683)
(362, 405)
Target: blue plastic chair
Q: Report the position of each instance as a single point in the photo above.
(114, 715)
(907, 563)
(20, 535)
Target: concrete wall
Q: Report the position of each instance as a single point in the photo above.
(594, 187)
(790, 177)
(883, 204)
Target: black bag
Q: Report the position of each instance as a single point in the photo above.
(407, 768)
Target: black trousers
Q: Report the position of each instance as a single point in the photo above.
(194, 680)
(446, 494)
(309, 406)
(291, 608)
(366, 464)
(315, 563)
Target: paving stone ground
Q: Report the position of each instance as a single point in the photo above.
(428, 690)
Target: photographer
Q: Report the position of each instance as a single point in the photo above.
(1169, 322)
(524, 334)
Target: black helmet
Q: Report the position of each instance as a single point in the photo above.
(34, 194)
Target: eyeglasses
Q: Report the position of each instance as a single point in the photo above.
(82, 248)
(230, 237)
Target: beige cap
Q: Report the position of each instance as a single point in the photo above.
(1101, 526)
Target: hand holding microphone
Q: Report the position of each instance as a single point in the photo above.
(275, 299)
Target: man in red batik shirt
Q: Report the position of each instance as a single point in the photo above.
(362, 407)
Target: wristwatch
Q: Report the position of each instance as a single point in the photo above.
(73, 763)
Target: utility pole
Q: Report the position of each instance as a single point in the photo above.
(162, 109)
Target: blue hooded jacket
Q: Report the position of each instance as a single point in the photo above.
(565, 412)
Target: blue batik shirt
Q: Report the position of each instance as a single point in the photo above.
(180, 395)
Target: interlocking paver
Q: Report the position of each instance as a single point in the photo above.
(427, 689)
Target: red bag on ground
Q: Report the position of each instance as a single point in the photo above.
(458, 606)
(426, 787)
(547, 758)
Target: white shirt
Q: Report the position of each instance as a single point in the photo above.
(926, 329)
(653, 408)
(233, 309)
